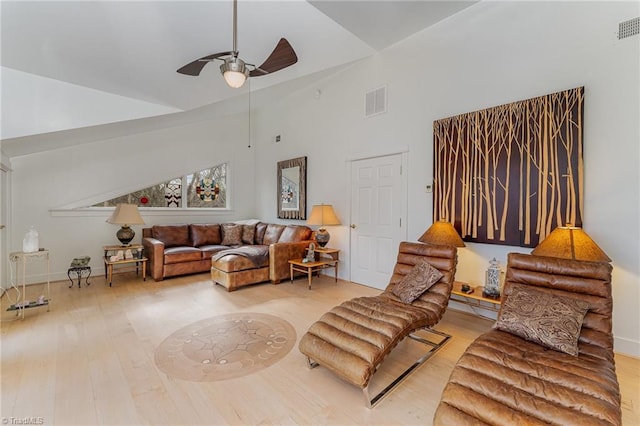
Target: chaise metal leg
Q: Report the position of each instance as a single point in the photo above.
(311, 364)
(435, 347)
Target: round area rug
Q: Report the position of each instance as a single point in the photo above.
(225, 347)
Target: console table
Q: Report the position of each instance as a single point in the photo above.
(20, 257)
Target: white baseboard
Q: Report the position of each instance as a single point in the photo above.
(626, 347)
(58, 276)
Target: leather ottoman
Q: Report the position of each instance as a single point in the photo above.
(236, 267)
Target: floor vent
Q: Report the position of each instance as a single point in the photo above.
(629, 28)
(375, 102)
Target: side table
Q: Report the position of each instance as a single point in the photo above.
(79, 270)
(24, 258)
(328, 253)
(115, 248)
(309, 268)
(137, 259)
(475, 299)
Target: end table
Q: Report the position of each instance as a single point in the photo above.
(137, 260)
(329, 258)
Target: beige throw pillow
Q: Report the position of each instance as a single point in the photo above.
(416, 282)
(547, 319)
(231, 234)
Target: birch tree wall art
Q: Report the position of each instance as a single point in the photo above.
(511, 174)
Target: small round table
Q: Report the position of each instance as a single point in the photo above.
(79, 270)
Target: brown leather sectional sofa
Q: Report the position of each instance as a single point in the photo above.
(504, 379)
(261, 250)
(266, 260)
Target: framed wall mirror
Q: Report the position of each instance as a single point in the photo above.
(292, 188)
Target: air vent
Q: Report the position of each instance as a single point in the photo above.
(629, 28)
(375, 102)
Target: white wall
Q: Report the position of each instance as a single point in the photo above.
(85, 174)
(33, 104)
(490, 54)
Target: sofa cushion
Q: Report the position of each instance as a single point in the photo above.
(203, 235)
(272, 234)
(248, 233)
(231, 234)
(544, 318)
(416, 282)
(261, 228)
(209, 250)
(294, 233)
(172, 235)
(181, 254)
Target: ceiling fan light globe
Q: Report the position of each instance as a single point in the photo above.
(234, 79)
(235, 72)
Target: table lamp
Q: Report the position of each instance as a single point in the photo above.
(570, 242)
(125, 215)
(442, 233)
(323, 214)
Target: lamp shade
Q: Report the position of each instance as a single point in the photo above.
(323, 214)
(442, 233)
(570, 242)
(126, 214)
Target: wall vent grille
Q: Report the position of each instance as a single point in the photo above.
(629, 28)
(375, 102)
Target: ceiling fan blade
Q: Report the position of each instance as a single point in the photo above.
(194, 68)
(282, 56)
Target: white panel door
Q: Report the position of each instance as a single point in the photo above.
(377, 218)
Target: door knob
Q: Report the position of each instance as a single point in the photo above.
(353, 226)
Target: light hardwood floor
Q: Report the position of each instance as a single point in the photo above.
(90, 360)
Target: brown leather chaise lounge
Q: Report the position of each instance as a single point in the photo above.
(353, 338)
(504, 379)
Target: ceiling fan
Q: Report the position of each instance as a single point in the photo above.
(234, 70)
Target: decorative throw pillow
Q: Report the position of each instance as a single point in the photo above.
(416, 282)
(231, 234)
(172, 235)
(248, 233)
(203, 235)
(547, 319)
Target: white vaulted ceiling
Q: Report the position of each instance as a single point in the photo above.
(76, 64)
